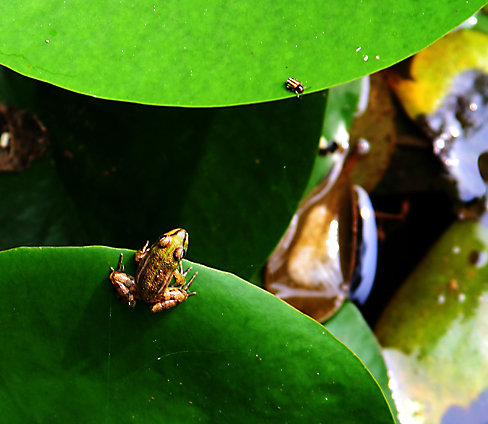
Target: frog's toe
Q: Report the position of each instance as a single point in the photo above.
(185, 287)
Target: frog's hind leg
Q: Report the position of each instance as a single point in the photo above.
(171, 296)
(169, 299)
(124, 285)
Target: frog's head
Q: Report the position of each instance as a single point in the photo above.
(177, 240)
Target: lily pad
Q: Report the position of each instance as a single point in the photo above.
(231, 353)
(209, 53)
(349, 326)
(134, 172)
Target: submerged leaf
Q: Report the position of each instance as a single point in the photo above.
(434, 330)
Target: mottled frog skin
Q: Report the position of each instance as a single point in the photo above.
(157, 267)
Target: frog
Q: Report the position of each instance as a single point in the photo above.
(158, 265)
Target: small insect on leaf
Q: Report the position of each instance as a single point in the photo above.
(294, 86)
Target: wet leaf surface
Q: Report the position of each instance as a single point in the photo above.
(308, 269)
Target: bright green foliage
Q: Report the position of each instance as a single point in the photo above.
(210, 53)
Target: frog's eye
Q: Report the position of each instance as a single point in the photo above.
(179, 253)
(164, 241)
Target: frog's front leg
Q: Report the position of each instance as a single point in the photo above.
(180, 278)
(141, 253)
(124, 284)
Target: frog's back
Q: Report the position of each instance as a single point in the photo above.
(154, 273)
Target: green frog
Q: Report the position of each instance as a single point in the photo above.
(157, 267)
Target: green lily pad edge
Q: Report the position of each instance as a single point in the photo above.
(231, 352)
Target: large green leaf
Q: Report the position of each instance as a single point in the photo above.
(232, 177)
(209, 53)
(349, 326)
(232, 353)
